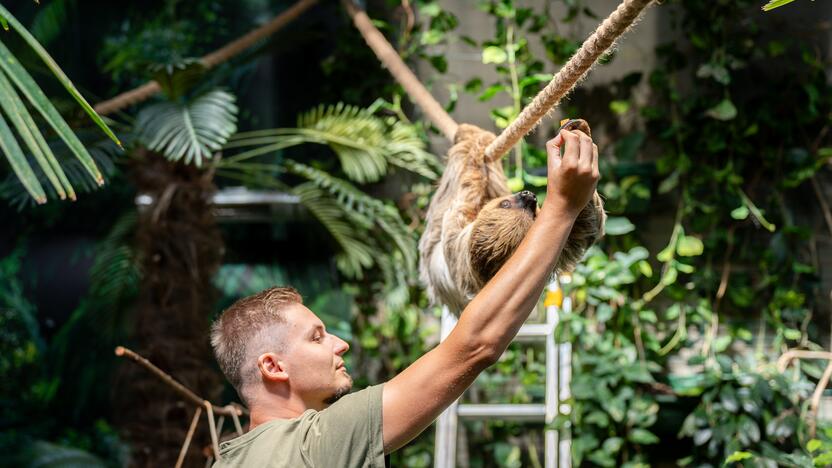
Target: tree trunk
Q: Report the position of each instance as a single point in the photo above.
(181, 250)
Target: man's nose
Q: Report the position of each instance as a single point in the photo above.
(341, 346)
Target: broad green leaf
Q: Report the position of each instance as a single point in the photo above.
(619, 107)
(740, 213)
(813, 445)
(725, 110)
(59, 74)
(642, 437)
(738, 456)
(494, 54)
(670, 276)
(618, 225)
(515, 184)
(39, 101)
(645, 268)
(17, 160)
(689, 246)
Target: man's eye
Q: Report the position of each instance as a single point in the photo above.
(317, 338)
(505, 204)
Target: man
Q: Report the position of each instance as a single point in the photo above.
(290, 371)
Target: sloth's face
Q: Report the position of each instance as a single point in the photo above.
(498, 230)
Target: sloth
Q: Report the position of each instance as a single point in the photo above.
(474, 223)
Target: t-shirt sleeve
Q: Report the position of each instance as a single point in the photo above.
(348, 433)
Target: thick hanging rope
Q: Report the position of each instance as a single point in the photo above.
(604, 36)
(401, 72)
(221, 55)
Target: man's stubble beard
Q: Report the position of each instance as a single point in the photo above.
(340, 391)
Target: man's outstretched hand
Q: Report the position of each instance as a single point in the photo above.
(574, 175)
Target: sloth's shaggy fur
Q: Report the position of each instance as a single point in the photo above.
(474, 223)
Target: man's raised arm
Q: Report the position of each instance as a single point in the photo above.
(414, 398)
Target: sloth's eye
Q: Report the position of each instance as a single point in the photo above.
(505, 204)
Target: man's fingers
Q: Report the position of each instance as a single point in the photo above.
(585, 156)
(553, 152)
(595, 172)
(571, 154)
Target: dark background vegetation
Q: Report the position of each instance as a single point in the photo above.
(716, 170)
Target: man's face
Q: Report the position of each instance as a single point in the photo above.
(314, 359)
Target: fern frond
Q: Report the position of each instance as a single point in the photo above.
(192, 131)
(357, 255)
(365, 211)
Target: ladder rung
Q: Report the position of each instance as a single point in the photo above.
(534, 331)
(513, 412)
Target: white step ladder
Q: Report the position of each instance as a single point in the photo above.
(557, 447)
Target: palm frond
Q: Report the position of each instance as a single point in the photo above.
(103, 154)
(365, 211)
(116, 272)
(193, 130)
(405, 148)
(357, 255)
(19, 115)
(356, 136)
(56, 71)
(366, 145)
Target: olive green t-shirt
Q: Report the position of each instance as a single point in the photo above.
(346, 434)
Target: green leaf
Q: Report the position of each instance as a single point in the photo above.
(740, 213)
(772, 4)
(738, 456)
(618, 225)
(16, 112)
(33, 93)
(642, 437)
(619, 107)
(193, 130)
(494, 54)
(725, 110)
(515, 184)
(689, 246)
(813, 445)
(645, 268)
(792, 334)
(9, 147)
(670, 276)
(56, 70)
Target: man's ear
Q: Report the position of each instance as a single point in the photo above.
(272, 368)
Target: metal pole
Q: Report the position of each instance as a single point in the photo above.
(446, 425)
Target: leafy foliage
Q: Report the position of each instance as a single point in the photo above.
(370, 233)
(14, 81)
(189, 131)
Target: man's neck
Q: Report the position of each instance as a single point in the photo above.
(269, 407)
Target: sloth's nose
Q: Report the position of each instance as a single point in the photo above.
(527, 199)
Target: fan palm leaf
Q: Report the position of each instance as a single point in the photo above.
(191, 131)
(18, 84)
(366, 145)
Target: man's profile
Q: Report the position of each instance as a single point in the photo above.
(290, 371)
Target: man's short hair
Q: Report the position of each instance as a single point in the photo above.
(238, 330)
